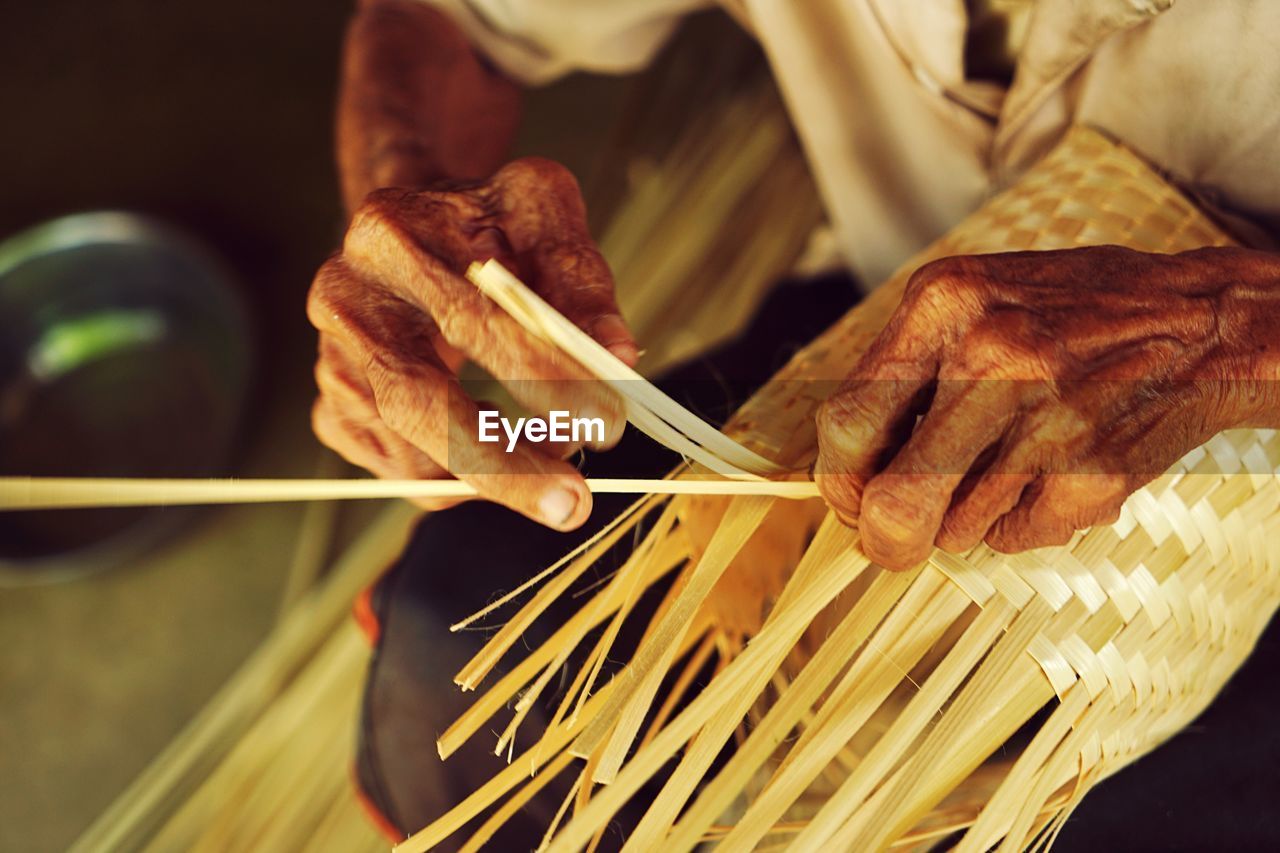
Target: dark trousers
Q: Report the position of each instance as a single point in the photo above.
(1215, 786)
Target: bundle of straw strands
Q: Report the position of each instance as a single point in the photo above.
(852, 708)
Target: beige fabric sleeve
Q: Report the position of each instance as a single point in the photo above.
(537, 41)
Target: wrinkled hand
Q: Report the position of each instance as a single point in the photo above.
(397, 318)
(1017, 398)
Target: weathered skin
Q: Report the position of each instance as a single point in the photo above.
(420, 121)
(1051, 385)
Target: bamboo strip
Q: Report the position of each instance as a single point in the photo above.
(151, 801)
(655, 549)
(644, 676)
(924, 707)
(922, 614)
(626, 579)
(778, 723)
(528, 764)
(834, 548)
(648, 407)
(620, 519)
(516, 802)
(484, 661)
(24, 493)
(501, 693)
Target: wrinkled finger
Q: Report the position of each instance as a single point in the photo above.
(545, 221)
(576, 281)
(903, 506)
(380, 247)
(1054, 507)
(373, 447)
(341, 379)
(986, 495)
(427, 407)
(869, 415)
(419, 400)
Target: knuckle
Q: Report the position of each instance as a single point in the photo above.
(326, 425)
(371, 225)
(389, 221)
(461, 322)
(380, 211)
(991, 350)
(888, 498)
(941, 282)
(1009, 537)
(325, 298)
(829, 417)
(843, 493)
(406, 395)
(840, 413)
(542, 171)
(1056, 432)
(955, 535)
(539, 195)
(932, 271)
(943, 299)
(843, 426)
(579, 265)
(339, 382)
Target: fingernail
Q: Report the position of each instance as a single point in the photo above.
(557, 506)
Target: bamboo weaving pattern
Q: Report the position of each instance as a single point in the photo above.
(872, 710)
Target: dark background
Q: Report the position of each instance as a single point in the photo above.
(213, 116)
(218, 117)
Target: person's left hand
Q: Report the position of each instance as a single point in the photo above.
(1051, 385)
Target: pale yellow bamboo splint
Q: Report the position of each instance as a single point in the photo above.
(68, 492)
(883, 707)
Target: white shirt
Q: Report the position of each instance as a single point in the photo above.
(903, 146)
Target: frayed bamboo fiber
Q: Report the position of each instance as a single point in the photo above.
(293, 702)
(872, 710)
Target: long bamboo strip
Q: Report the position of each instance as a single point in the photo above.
(627, 579)
(748, 672)
(645, 675)
(855, 628)
(131, 822)
(19, 493)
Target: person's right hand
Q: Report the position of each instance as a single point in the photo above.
(397, 318)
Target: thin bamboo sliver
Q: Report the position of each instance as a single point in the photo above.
(23, 493)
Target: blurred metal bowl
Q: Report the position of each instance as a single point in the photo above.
(124, 352)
